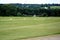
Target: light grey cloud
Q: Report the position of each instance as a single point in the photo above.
(30, 1)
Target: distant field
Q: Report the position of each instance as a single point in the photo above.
(55, 7)
(17, 28)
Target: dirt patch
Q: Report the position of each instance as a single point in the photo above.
(51, 37)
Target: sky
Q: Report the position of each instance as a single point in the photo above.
(30, 1)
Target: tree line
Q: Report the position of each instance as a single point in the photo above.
(10, 10)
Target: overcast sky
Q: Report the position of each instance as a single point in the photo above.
(30, 1)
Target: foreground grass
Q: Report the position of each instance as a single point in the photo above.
(25, 27)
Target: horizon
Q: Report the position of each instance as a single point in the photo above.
(30, 1)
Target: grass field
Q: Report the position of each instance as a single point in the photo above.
(55, 7)
(17, 28)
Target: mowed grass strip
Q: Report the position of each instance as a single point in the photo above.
(17, 28)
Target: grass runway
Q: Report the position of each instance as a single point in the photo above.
(17, 28)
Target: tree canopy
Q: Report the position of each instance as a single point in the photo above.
(10, 10)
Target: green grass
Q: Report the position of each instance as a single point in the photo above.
(26, 27)
(55, 7)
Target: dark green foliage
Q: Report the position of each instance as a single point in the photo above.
(7, 10)
(10, 10)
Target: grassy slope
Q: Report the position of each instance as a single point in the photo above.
(55, 7)
(25, 27)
